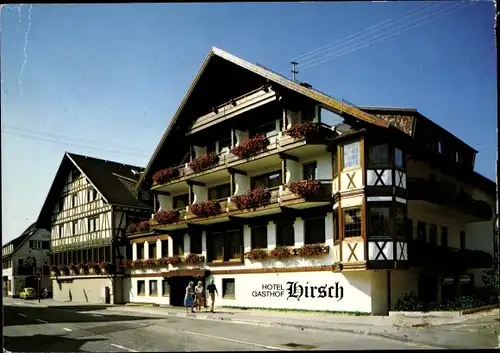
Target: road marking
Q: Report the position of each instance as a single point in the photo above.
(121, 347)
(67, 329)
(226, 339)
(40, 320)
(23, 315)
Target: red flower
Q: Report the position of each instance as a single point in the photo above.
(252, 198)
(300, 130)
(251, 147)
(312, 250)
(132, 228)
(162, 261)
(257, 254)
(305, 188)
(193, 259)
(174, 260)
(205, 208)
(138, 264)
(149, 262)
(165, 175)
(143, 226)
(281, 252)
(167, 217)
(126, 263)
(203, 162)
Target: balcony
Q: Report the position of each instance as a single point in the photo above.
(299, 141)
(446, 195)
(253, 203)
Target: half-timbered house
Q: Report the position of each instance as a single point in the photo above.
(86, 210)
(289, 198)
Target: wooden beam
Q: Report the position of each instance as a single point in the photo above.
(236, 171)
(289, 210)
(193, 182)
(285, 156)
(163, 193)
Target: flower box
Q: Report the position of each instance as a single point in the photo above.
(194, 259)
(251, 147)
(162, 261)
(201, 163)
(252, 199)
(167, 217)
(132, 228)
(138, 264)
(174, 260)
(312, 250)
(165, 175)
(55, 271)
(106, 267)
(125, 263)
(144, 226)
(257, 254)
(73, 269)
(300, 130)
(83, 268)
(280, 252)
(305, 188)
(205, 208)
(63, 269)
(94, 268)
(149, 263)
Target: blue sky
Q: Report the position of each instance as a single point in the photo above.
(105, 80)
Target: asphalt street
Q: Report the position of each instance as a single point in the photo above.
(90, 329)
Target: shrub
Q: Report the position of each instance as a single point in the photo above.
(491, 280)
(203, 162)
(167, 217)
(252, 198)
(305, 188)
(257, 254)
(165, 175)
(462, 303)
(409, 302)
(205, 208)
(132, 228)
(144, 226)
(298, 131)
(312, 250)
(280, 252)
(194, 259)
(251, 147)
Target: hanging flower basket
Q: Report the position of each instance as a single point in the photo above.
(251, 147)
(257, 254)
(312, 250)
(205, 208)
(194, 259)
(300, 130)
(305, 188)
(165, 175)
(203, 162)
(281, 252)
(167, 217)
(252, 198)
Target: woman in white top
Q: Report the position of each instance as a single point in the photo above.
(198, 291)
(188, 298)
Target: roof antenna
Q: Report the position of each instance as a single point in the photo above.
(294, 71)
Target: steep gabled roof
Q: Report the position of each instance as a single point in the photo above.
(17, 242)
(106, 176)
(229, 59)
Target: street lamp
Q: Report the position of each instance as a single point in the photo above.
(39, 278)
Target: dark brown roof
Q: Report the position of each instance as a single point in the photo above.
(113, 180)
(24, 235)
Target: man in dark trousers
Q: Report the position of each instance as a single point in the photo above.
(212, 290)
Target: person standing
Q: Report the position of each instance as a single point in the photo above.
(198, 291)
(212, 290)
(189, 297)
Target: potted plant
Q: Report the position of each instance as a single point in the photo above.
(165, 175)
(300, 130)
(203, 162)
(144, 226)
(194, 259)
(206, 208)
(251, 147)
(280, 252)
(257, 254)
(305, 188)
(132, 228)
(252, 198)
(167, 217)
(312, 250)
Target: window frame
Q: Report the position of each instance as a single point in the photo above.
(311, 221)
(373, 151)
(433, 236)
(152, 246)
(225, 282)
(419, 237)
(388, 222)
(217, 190)
(313, 166)
(143, 282)
(195, 238)
(344, 230)
(254, 235)
(150, 283)
(399, 152)
(266, 176)
(165, 293)
(345, 157)
(463, 240)
(164, 248)
(444, 240)
(280, 226)
(181, 197)
(261, 130)
(140, 251)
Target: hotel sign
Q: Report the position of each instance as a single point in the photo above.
(299, 290)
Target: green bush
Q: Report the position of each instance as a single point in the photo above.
(409, 302)
(462, 303)
(491, 280)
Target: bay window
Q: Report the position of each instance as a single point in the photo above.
(351, 155)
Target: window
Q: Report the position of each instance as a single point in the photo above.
(178, 243)
(421, 231)
(378, 154)
(310, 171)
(336, 233)
(195, 242)
(35, 244)
(228, 288)
(61, 231)
(219, 192)
(180, 201)
(457, 157)
(75, 200)
(285, 234)
(225, 145)
(152, 250)
(462, 240)
(400, 224)
(153, 287)
(92, 195)
(398, 158)
(61, 204)
(215, 242)
(351, 155)
(75, 227)
(93, 224)
(211, 148)
(267, 181)
(268, 130)
(140, 251)
(379, 222)
(314, 231)
(233, 249)
(444, 236)
(440, 147)
(164, 248)
(165, 288)
(259, 237)
(141, 287)
(128, 252)
(409, 229)
(433, 234)
(352, 223)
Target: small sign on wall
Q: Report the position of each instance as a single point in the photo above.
(298, 290)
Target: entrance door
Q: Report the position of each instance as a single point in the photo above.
(178, 286)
